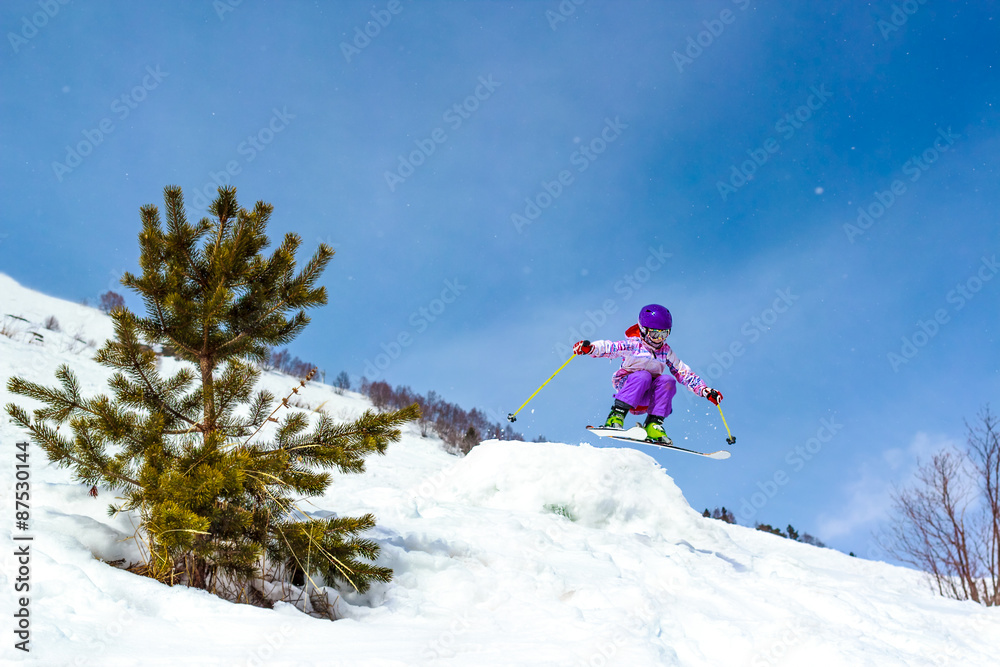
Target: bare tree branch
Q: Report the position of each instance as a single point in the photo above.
(947, 523)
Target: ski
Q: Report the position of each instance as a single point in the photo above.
(638, 434)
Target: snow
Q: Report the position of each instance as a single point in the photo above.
(517, 554)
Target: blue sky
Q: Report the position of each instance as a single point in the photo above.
(496, 180)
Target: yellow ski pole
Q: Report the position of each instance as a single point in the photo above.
(731, 439)
(513, 416)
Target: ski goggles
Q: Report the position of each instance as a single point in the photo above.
(656, 335)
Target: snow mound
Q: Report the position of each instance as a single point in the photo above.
(621, 490)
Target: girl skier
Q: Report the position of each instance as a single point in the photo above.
(642, 383)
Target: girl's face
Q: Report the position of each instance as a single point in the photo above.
(655, 337)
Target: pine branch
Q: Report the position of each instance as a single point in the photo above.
(182, 237)
(344, 445)
(283, 404)
(252, 328)
(169, 409)
(63, 453)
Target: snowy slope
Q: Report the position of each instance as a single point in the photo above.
(518, 554)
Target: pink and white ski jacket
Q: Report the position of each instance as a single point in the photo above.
(636, 356)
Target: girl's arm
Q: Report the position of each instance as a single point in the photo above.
(611, 349)
(683, 373)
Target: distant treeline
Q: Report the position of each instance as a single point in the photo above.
(722, 514)
(286, 363)
(460, 429)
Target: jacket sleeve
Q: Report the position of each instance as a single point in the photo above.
(683, 373)
(611, 349)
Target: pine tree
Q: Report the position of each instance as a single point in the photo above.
(215, 498)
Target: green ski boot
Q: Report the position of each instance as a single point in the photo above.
(616, 419)
(655, 432)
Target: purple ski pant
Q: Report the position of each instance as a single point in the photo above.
(642, 390)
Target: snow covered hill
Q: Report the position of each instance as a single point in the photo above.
(517, 554)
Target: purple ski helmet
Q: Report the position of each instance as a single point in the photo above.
(655, 316)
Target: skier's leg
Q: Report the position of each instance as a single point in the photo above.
(636, 387)
(632, 393)
(660, 406)
(663, 389)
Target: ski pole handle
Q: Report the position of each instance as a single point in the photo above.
(513, 416)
